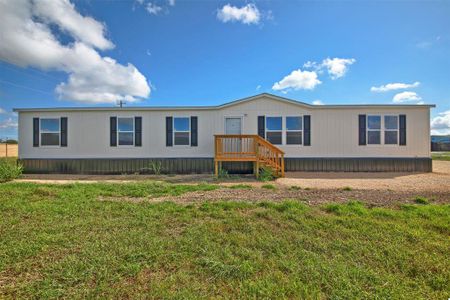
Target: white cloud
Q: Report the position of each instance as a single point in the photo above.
(248, 14)
(27, 40)
(337, 67)
(394, 86)
(8, 123)
(258, 87)
(64, 14)
(297, 80)
(406, 97)
(2, 111)
(441, 123)
(153, 8)
(318, 102)
(171, 2)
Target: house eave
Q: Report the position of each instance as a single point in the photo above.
(225, 105)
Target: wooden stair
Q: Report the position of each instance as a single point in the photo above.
(248, 147)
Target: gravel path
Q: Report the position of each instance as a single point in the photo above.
(438, 181)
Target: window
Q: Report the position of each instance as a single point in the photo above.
(125, 131)
(373, 130)
(181, 131)
(50, 132)
(274, 130)
(391, 130)
(294, 130)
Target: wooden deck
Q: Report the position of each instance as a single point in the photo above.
(248, 147)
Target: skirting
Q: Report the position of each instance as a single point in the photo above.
(206, 165)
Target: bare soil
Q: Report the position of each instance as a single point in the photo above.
(309, 196)
(377, 189)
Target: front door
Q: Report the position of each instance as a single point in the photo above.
(233, 125)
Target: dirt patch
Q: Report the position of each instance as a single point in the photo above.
(405, 183)
(437, 181)
(309, 196)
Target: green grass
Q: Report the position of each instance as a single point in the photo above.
(421, 200)
(59, 241)
(268, 186)
(240, 186)
(441, 156)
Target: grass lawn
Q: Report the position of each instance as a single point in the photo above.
(61, 241)
(441, 156)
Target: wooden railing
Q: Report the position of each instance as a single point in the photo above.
(248, 147)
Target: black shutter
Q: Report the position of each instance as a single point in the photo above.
(362, 130)
(64, 132)
(137, 131)
(35, 132)
(169, 132)
(307, 130)
(113, 131)
(194, 131)
(262, 126)
(402, 130)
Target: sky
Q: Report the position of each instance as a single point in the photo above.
(60, 53)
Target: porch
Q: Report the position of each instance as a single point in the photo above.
(247, 147)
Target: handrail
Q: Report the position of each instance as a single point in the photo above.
(248, 147)
(270, 145)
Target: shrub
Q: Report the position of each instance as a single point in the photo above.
(347, 188)
(9, 170)
(223, 174)
(266, 174)
(421, 200)
(156, 167)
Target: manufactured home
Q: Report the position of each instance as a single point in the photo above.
(239, 136)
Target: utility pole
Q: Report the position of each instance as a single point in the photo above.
(121, 103)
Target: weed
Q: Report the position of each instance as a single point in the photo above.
(9, 170)
(347, 188)
(240, 186)
(295, 188)
(266, 174)
(421, 200)
(268, 186)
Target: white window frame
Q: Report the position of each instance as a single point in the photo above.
(380, 130)
(281, 130)
(396, 130)
(124, 131)
(173, 130)
(286, 130)
(41, 132)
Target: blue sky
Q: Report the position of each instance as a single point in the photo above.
(89, 53)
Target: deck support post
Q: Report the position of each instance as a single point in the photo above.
(282, 165)
(216, 168)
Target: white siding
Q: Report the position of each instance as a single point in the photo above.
(334, 132)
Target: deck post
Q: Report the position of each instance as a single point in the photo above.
(282, 165)
(216, 168)
(255, 145)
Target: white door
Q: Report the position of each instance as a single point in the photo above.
(233, 125)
